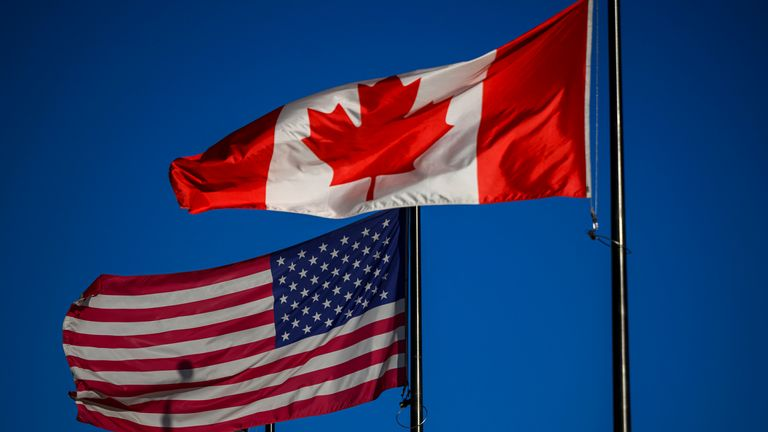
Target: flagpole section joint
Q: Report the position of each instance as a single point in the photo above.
(403, 405)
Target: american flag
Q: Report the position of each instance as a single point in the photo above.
(307, 330)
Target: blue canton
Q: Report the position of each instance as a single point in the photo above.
(323, 283)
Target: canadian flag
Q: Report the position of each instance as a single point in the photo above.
(509, 125)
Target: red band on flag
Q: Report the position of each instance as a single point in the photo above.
(531, 139)
(232, 173)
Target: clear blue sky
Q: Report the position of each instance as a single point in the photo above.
(98, 98)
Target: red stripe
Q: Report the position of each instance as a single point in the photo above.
(530, 142)
(165, 312)
(361, 362)
(232, 173)
(287, 362)
(173, 336)
(357, 395)
(161, 283)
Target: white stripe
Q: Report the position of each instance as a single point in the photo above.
(267, 404)
(314, 364)
(177, 349)
(227, 369)
(106, 301)
(587, 94)
(158, 326)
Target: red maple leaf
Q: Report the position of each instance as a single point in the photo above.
(386, 142)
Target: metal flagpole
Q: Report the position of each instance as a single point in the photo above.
(414, 322)
(620, 338)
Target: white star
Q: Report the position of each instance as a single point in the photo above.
(356, 264)
(347, 296)
(293, 286)
(282, 279)
(295, 323)
(365, 304)
(304, 292)
(375, 289)
(323, 247)
(303, 273)
(314, 279)
(335, 272)
(313, 260)
(355, 245)
(345, 259)
(368, 286)
(384, 295)
(344, 240)
(375, 236)
(337, 290)
(346, 277)
(335, 253)
(348, 314)
(385, 223)
(280, 261)
(338, 309)
(329, 322)
(302, 253)
(357, 283)
(315, 297)
(366, 250)
(386, 241)
(284, 299)
(377, 254)
(366, 232)
(359, 300)
(316, 316)
(285, 317)
(324, 266)
(326, 284)
(376, 272)
(326, 304)
(385, 258)
(294, 305)
(386, 275)
(367, 269)
(292, 266)
(307, 329)
(286, 335)
(305, 310)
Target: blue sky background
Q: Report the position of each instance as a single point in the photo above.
(97, 98)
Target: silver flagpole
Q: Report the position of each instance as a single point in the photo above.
(620, 321)
(414, 323)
